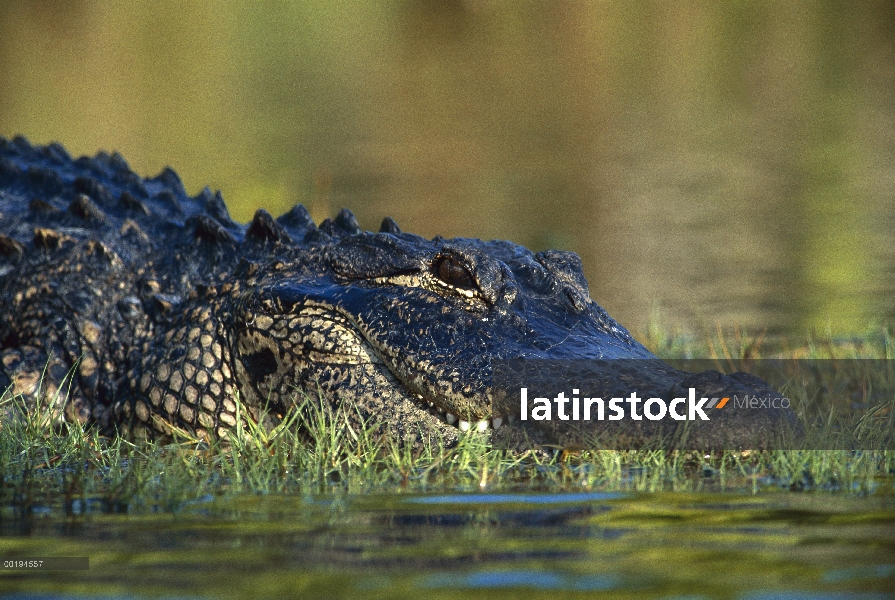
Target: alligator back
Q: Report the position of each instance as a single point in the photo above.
(102, 271)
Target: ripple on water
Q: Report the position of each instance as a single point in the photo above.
(483, 499)
(542, 580)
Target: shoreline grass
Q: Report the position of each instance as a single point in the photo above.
(76, 471)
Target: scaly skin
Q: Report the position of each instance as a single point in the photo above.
(150, 311)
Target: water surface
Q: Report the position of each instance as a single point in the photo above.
(714, 163)
(465, 545)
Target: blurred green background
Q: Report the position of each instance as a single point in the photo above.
(717, 163)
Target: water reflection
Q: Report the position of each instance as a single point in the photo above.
(723, 164)
(482, 499)
(380, 545)
(539, 580)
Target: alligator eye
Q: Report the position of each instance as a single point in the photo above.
(453, 273)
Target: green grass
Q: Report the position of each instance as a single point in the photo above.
(76, 470)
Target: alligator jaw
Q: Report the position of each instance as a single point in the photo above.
(449, 418)
(429, 402)
(353, 348)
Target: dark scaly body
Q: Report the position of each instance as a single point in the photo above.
(151, 310)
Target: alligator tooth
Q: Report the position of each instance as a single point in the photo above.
(482, 426)
(464, 425)
(496, 422)
(451, 418)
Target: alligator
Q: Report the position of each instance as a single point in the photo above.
(131, 306)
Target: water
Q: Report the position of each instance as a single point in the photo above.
(713, 163)
(465, 545)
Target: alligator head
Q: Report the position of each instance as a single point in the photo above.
(408, 329)
(392, 321)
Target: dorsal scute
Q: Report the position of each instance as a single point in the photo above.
(300, 225)
(10, 247)
(264, 228)
(85, 208)
(47, 181)
(51, 239)
(56, 153)
(132, 205)
(118, 163)
(208, 229)
(22, 144)
(103, 190)
(169, 178)
(389, 226)
(347, 222)
(38, 207)
(94, 189)
(168, 203)
(212, 203)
